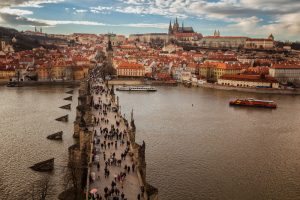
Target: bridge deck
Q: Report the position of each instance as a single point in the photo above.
(130, 186)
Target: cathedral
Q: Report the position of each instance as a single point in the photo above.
(177, 29)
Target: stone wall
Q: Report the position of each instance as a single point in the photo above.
(150, 192)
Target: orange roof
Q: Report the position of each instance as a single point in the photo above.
(221, 65)
(226, 37)
(259, 39)
(128, 65)
(251, 78)
(286, 66)
(127, 47)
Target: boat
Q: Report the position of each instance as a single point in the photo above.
(13, 84)
(44, 166)
(250, 102)
(187, 84)
(136, 88)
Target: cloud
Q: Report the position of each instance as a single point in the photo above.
(65, 22)
(258, 17)
(27, 3)
(145, 25)
(12, 19)
(101, 9)
(17, 20)
(81, 11)
(13, 11)
(246, 16)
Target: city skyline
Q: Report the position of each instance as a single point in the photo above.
(232, 17)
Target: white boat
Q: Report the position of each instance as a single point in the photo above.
(136, 88)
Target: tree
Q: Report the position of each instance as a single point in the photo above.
(72, 181)
(41, 189)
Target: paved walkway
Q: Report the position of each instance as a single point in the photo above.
(111, 140)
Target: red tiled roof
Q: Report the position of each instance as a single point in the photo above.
(251, 78)
(226, 37)
(259, 39)
(286, 66)
(128, 65)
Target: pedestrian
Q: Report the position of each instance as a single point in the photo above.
(105, 190)
(133, 167)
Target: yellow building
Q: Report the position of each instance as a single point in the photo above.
(259, 43)
(213, 71)
(43, 72)
(7, 73)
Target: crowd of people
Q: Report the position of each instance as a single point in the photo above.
(111, 147)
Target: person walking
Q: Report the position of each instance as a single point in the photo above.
(133, 167)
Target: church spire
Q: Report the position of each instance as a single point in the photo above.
(170, 28)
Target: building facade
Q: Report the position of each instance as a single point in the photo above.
(213, 71)
(253, 81)
(259, 43)
(148, 37)
(285, 72)
(127, 69)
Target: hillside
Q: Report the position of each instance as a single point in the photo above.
(26, 42)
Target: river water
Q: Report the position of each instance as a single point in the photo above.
(197, 147)
(27, 116)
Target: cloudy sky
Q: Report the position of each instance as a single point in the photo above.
(257, 18)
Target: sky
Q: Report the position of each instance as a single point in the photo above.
(252, 18)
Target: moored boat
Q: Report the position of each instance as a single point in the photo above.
(136, 88)
(13, 84)
(253, 103)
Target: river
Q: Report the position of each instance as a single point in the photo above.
(27, 116)
(197, 147)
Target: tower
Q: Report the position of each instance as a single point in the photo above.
(271, 37)
(176, 26)
(215, 33)
(170, 29)
(109, 50)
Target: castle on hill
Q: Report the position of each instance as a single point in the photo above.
(173, 30)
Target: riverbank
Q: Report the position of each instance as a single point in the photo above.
(44, 83)
(3, 81)
(208, 85)
(125, 82)
(253, 90)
